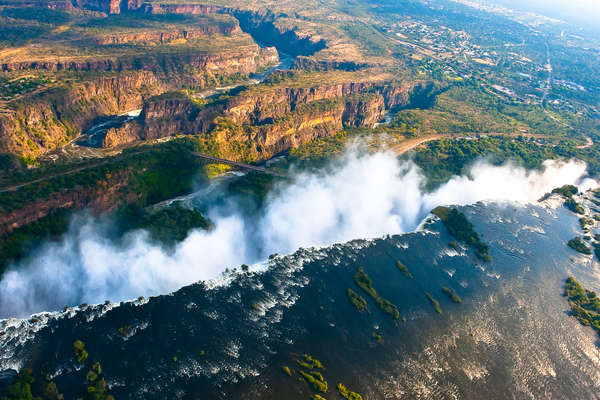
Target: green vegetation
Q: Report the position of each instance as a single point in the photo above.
(596, 246)
(96, 384)
(585, 304)
(125, 330)
(377, 337)
(169, 225)
(146, 172)
(585, 223)
(404, 269)
(436, 304)
(319, 151)
(462, 229)
(310, 363)
(137, 178)
(357, 301)
(365, 283)
(20, 388)
(96, 387)
(572, 205)
(347, 394)
(567, 191)
(579, 245)
(444, 158)
(253, 185)
(316, 380)
(286, 370)
(318, 397)
(80, 353)
(451, 294)
(469, 108)
(372, 41)
(16, 244)
(51, 392)
(10, 89)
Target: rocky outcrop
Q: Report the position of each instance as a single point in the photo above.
(156, 37)
(311, 122)
(245, 59)
(49, 119)
(261, 24)
(266, 121)
(264, 28)
(46, 120)
(104, 196)
(189, 9)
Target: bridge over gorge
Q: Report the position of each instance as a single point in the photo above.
(216, 160)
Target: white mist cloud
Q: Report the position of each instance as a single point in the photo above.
(362, 196)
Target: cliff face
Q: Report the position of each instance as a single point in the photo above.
(245, 60)
(156, 37)
(52, 118)
(260, 24)
(105, 196)
(190, 9)
(273, 104)
(268, 122)
(314, 122)
(49, 119)
(263, 27)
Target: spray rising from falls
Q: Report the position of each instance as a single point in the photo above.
(362, 196)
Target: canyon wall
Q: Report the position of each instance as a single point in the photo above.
(159, 37)
(49, 119)
(244, 60)
(105, 195)
(266, 121)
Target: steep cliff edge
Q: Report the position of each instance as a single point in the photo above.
(43, 121)
(143, 177)
(262, 121)
(52, 118)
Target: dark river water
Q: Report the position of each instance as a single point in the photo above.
(511, 336)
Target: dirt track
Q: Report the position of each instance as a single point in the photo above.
(410, 144)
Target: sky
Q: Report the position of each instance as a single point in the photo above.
(583, 12)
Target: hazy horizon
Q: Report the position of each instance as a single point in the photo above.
(583, 12)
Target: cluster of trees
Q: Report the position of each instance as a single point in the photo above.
(365, 283)
(579, 245)
(568, 191)
(451, 294)
(148, 172)
(462, 229)
(346, 393)
(404, 269)
(442, 159)
(24, 385)
(434, 302)
(357, 301)
(585, 304)
(167, 226)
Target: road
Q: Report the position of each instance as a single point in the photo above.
(410, 144)
(12, 188)
(588, 143)
(211, 159)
